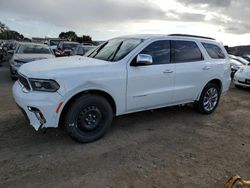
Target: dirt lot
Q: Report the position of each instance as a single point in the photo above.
(170, 147)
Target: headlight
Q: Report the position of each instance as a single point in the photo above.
(44, 85)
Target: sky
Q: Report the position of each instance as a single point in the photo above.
(225, 20)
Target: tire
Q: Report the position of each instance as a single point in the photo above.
(13, 78)
(209, 99)
(88, 118)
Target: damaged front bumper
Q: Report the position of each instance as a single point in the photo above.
(38, 107)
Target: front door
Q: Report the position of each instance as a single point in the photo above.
(151, 85)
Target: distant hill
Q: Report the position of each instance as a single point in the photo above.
(239, 50)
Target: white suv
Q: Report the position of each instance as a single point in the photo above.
(123, 75)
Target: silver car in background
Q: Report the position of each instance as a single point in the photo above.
(236, 63)
(28, 52)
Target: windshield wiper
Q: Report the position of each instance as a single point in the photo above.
(116, 51)
(98, 50)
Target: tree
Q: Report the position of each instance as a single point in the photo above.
(69, 35)
(14, 35)
(11, 35)
(7, 34)
(3, 27)
(86, 38)
(72, 36)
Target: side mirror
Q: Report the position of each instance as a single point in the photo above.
(144, 59)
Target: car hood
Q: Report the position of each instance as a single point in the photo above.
(25, 58)
(246, 71)
(59, 66)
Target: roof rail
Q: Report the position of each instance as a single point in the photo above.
(195, 36)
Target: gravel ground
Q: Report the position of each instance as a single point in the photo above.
(169, 147)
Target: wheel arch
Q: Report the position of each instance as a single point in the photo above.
(216, 81)
(106, 95)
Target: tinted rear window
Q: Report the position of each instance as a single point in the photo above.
(186, 51)
(214, 51)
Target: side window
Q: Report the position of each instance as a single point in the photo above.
(159, 50)
(186, 51)
(214, 51)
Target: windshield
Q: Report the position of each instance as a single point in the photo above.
(114, 50)
(33, 49)
(70, 46)
(54, 42)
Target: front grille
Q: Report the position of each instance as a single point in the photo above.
(24, 82)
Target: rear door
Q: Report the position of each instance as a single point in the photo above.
(192, 71)
(151, 85)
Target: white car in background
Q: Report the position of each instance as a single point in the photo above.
(28, 52)
(53, 43)
(242, 77)
(123, 75)
(236, 63)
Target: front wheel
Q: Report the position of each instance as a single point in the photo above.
(88, 118)
(209, 99)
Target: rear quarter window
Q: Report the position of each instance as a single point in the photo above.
(186, 51)
(214, 51)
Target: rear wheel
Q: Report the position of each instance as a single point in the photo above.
(209, 99)
(88, 118)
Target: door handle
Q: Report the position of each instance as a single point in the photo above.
(168, 71)
(206, 68)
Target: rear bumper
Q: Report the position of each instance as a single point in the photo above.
(39, 107)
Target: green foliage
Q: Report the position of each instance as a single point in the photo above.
(69, 35)
(3, 27)
(7, 34)
(72, 36)
(11, 35)
(86, 38)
